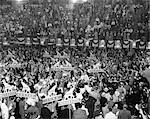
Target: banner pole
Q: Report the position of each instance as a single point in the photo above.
(69, 112)
(8, 102)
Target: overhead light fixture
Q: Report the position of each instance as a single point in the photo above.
(74, 1)
(19, 0)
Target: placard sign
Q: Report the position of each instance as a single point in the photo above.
(51, 99)
(26, 95)
(92, 58)
(61, 56)
(14, 65)
(69, 101)
(62, 68)
(96, 70)
(47, 56)
(7, 94)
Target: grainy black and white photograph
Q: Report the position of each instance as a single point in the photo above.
(74, 59)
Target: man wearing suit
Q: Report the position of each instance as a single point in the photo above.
(149, 104)
(22, 108)
(79, 113)
(124, 114)
(45, 113)
(63, 112)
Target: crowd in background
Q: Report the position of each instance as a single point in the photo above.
(105, 19)
(119, 91)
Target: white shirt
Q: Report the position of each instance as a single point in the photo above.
(110, 115)
(99, 117)
(83, 107)
(85, 77)
(5, 111)
(12, 117)
(82, 90)
(79, 95)
(108, 96)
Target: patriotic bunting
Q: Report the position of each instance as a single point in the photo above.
(95, 43)
(110, 43)
(80, 42)
(66, 42)
(118, 44)
(50, 41)
(142, 45)
(126, 44)
(35, 41)
(20, 40)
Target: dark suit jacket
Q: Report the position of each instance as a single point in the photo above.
(79, 114)
(46, 113)
(33, 112)
(90, 104)
(21, 109)
(64, 114)
(39, 106)
(149, 105)
(124, 114)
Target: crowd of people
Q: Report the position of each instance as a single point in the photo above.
(110, 83)
(121, 83)
(105, 19)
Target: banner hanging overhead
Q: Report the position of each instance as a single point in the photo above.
(47, 41)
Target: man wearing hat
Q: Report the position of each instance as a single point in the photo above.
(110, 114)
(4, 109)
(79, 113)
(46, 113)
(22, 108)
(32, 111)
